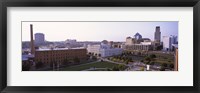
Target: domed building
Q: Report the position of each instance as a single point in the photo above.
(138, 36)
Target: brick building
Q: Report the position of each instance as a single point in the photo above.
(59, 55)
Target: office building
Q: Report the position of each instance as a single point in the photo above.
(39, 38)
(157, 35)
(168, 41)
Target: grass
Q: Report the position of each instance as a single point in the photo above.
(87, 66)
(163, 58)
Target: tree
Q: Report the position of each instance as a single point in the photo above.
(164, 65)
(171, 65)
(126, 62)
(159, 47)
(95, 54)
(142, 68)
(147, 58)
(115, 68)
(99, 55)
(121, 67)
(152, 56)
(152, 63)
(26, 67)
(94, 58)
(162, 68)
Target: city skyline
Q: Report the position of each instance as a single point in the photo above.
(97, 31)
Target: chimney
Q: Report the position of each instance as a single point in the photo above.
(32, 41)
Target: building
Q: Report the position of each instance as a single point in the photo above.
(39, 38)
(104, 42)
(157, 34)
(139, 47)
(71, 41)
(137, 43)
(59, 54)
(48, 55)
(168, 41)
(138, 36)
(104, 50)
(110, 52)
(129, 41)
(27, 59)
(94, 49)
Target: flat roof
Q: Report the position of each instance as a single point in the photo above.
(25, 57)
(48, 49)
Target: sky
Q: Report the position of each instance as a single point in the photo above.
(97, 31)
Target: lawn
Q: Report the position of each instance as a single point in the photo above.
(89, 65)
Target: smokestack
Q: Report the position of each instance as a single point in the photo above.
(32, 41)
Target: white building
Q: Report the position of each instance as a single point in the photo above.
(95, 49)
(168, 41)
(110, 52)
(104, 50)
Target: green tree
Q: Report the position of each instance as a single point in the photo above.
(162, 68)
(99, 55)
(164, 65)
(94, 58)
(126, 62)
(171, 65)
(121, 67)
(115, 68)
(152, 56)
(152, 63)
(26, 67)
(147, 58)
(142, 69)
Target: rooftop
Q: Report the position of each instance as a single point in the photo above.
(48, 49)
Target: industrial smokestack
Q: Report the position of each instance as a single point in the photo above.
(32, 41)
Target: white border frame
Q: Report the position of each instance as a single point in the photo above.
(184, 77)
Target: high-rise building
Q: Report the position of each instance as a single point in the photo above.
(157, 35)
(39, 38)
(168, 41)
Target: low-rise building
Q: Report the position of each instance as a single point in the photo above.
(144, 47)
(59, 54)
(104, 50)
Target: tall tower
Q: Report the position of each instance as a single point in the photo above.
(39, 38)
(157, 34)
(32, 41)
